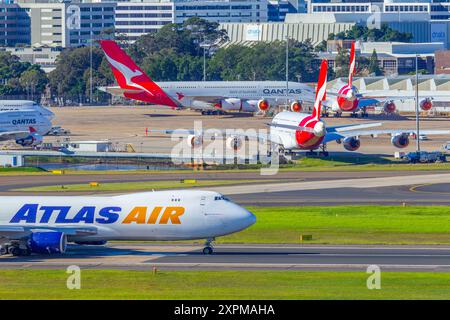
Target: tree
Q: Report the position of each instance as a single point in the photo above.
(17, 78)
(362, 32)
(33, 81)
(373, 66)
(71, 77)
(342, 64)
(321, 47)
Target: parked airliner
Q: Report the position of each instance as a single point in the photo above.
(207, 96)
(293, 131)
(25, 126)
(45, 224)
(348, 99)
(22, 105)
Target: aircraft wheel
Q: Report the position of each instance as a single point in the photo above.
(15, 251)
(207, 250)
(3, 250)
(26, 252)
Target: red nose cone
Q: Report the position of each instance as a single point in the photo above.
(426, 105)
(263, 105)
(296, 107)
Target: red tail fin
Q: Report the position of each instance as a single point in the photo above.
(321, 90)
(352, 66)
(130, 76)
(32, 130)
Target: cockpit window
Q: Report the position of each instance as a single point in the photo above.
(221, 197)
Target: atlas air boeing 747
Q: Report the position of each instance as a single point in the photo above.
(45, 224)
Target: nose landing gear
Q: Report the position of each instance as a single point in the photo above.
(208, 249)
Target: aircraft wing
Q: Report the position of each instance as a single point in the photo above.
(18, 232)
(208, 99)
(118, 91)
(404, 95)
(332, 136)
(406, 131)
(9, 135)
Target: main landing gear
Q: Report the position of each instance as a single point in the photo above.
(324, 151)
(15, 248)
(213, 113)
(208, 249)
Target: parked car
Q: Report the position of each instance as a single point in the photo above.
(58, 131)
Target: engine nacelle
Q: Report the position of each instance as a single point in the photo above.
(351, 143)
(231, 104)
(91, 243)
(48, 242)
(400, 140)
(33, 139)
(296, 106)
(194, 141)
(426, 104)
(389, 107)
(234, 143)
(263, 105)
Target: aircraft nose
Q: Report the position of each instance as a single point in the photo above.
(246, 217)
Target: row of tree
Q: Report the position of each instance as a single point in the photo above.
(179, 52)
(20, 78)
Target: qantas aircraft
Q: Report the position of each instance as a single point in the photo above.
(22, 105)
(211, 97)
(349, 99)
(26, 126)
(45, 224)
(293, 131)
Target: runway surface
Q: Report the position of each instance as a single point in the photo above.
(242, 257)
(15, 182)
(294, 188)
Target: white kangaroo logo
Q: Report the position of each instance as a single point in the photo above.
(127, 73)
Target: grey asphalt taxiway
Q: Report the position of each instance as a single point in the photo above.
(143, 256)
(290, 188)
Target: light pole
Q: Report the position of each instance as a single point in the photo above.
(287, 69)
(417, 107)
(205, 45)
(90, 73)
(204, 63)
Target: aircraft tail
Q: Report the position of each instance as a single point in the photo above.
(352, 66)
(321, 90)
(129, 76)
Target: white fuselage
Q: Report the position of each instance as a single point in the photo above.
(21, 121)
(160, 215)
(236, 95)
(22, 105)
